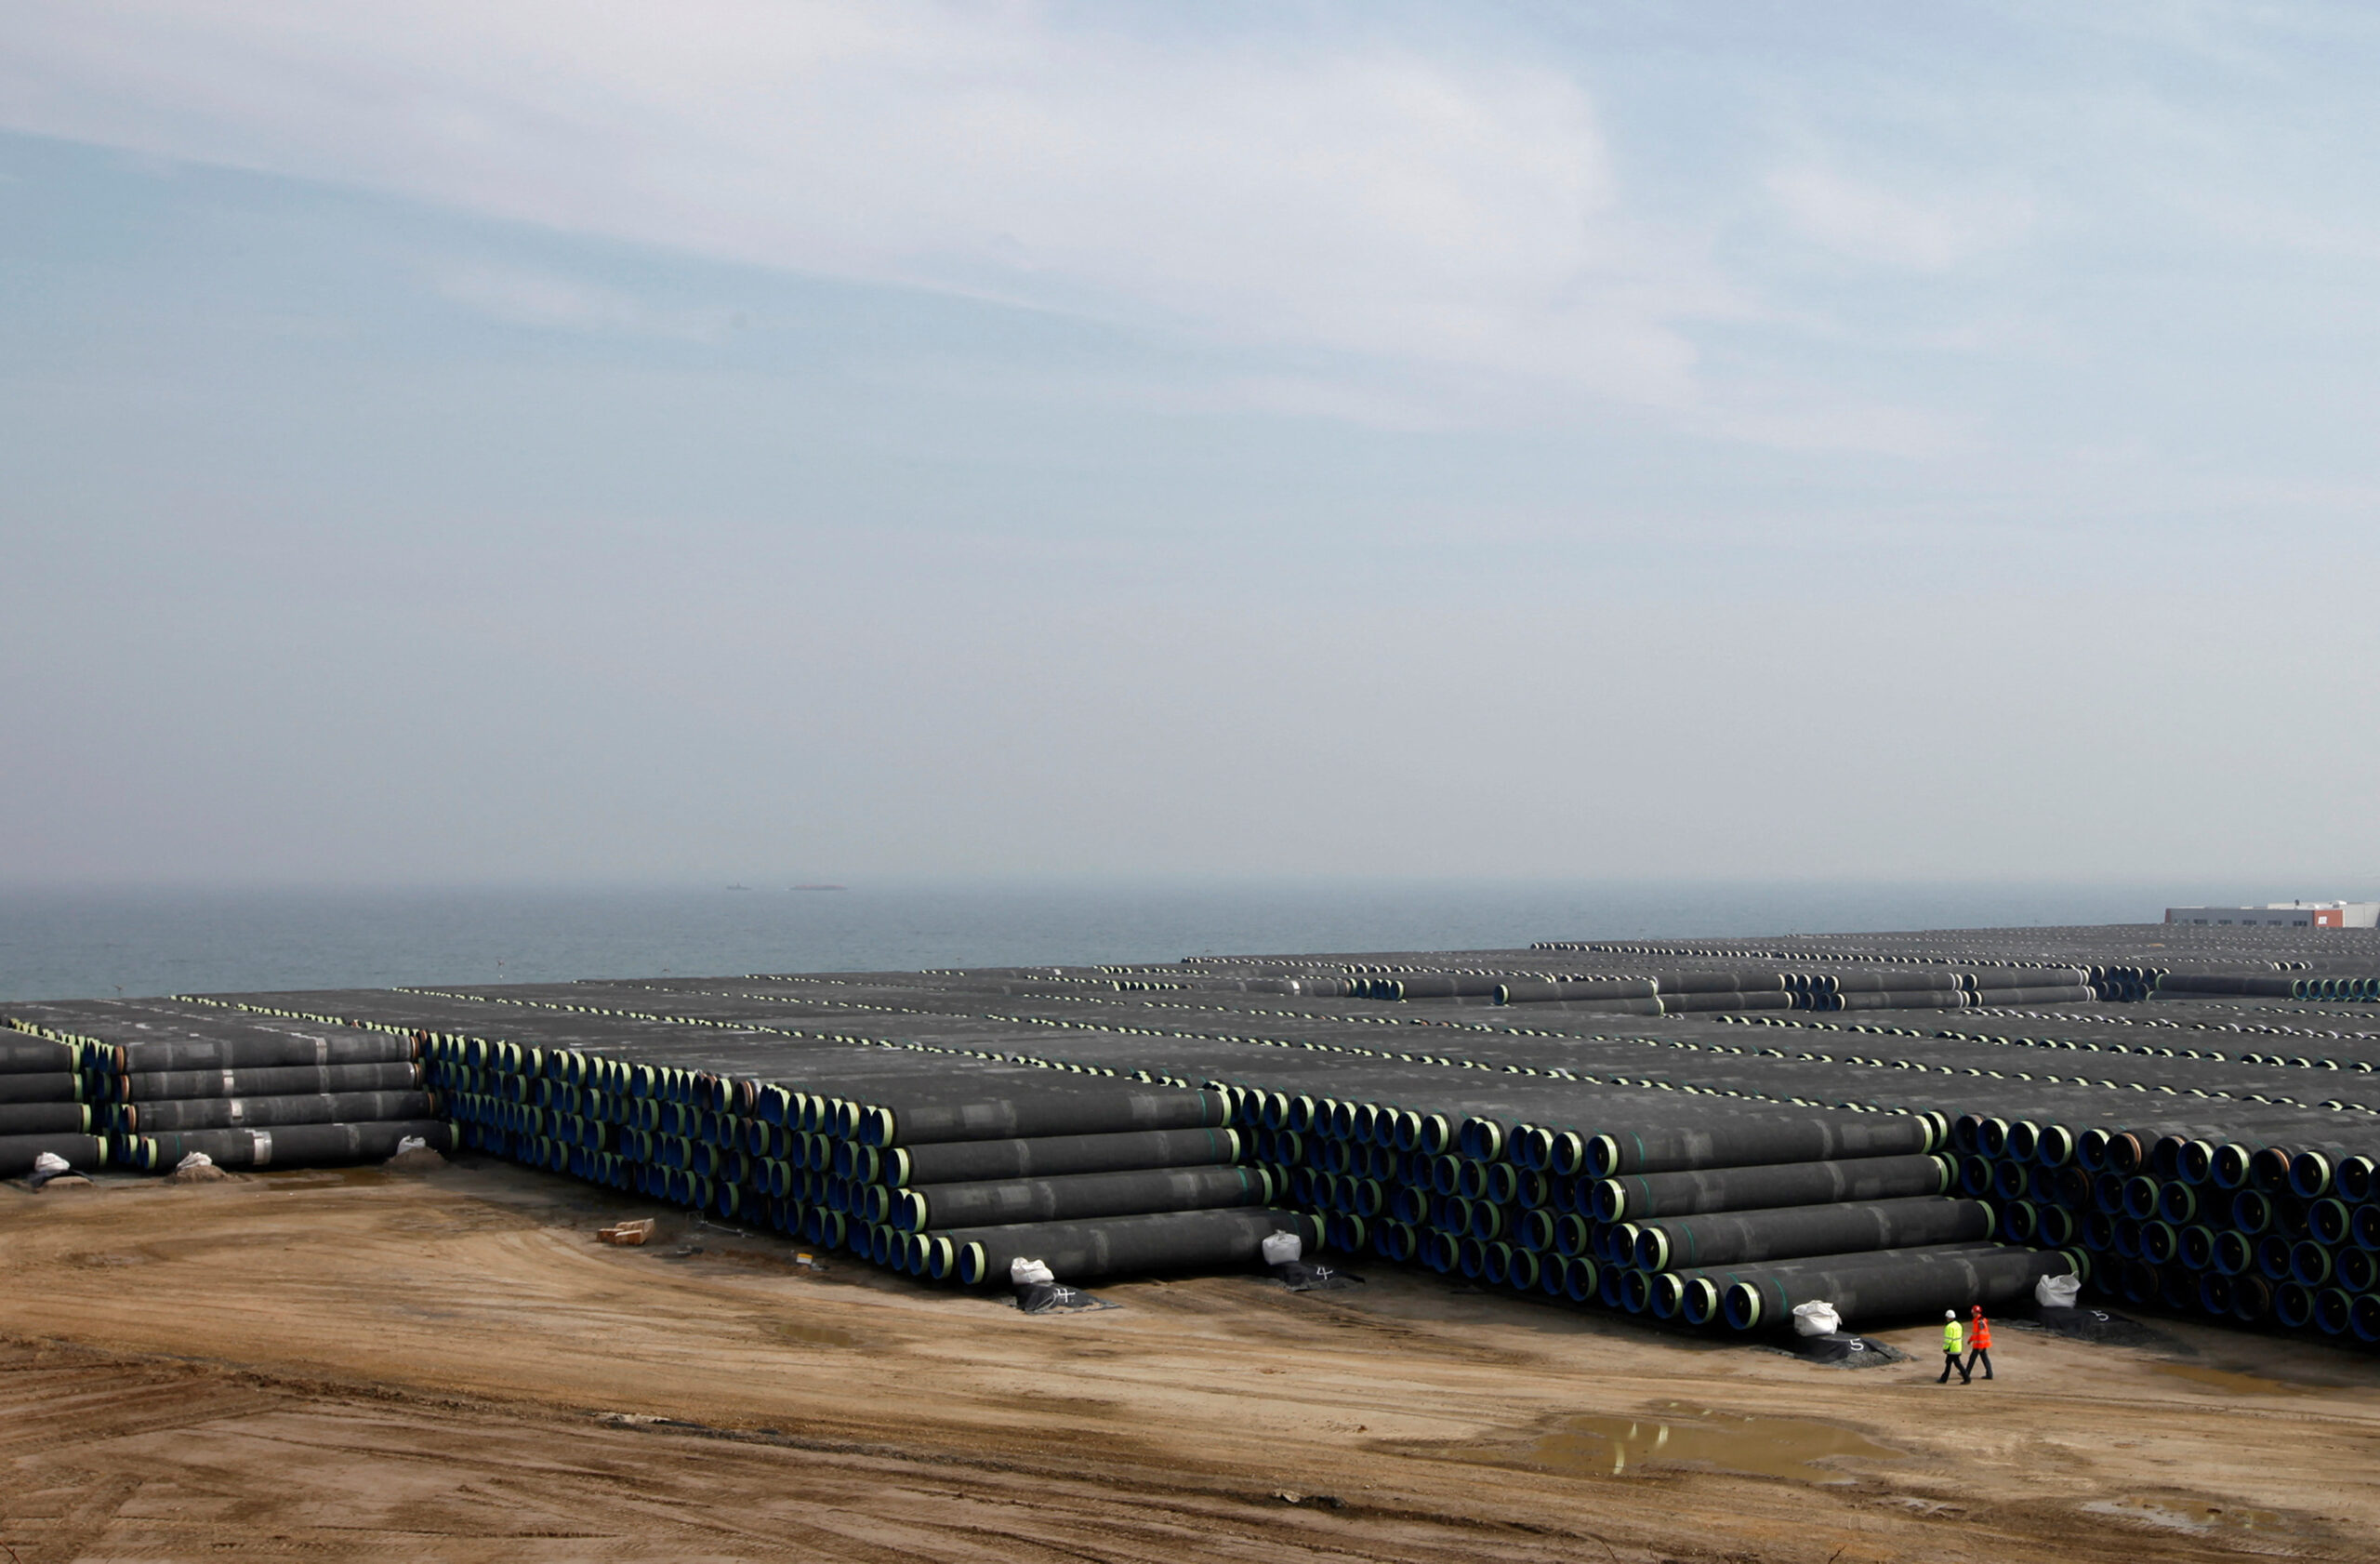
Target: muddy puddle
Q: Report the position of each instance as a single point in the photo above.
(814, 1336)
(2186, 1514)
(2236, 1382)
(1790, 1448)
(364, 1174)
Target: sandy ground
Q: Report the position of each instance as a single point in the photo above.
(380, 1366)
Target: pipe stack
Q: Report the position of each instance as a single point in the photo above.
(1728, 1220)
(2359, 988)
(950, 1175)
(1741, 991)
(2177, 1216)
(159, 1083)
(1709, 1132)
(42, 1108)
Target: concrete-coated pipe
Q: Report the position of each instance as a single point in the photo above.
(1078, 1196)
(1916, 1284)
(46, 1086)
(1849, 983)
(2026, 977)
(958, 1162)
(1437, 985)
(1738, 1143)
(1669, 983)
(32, 1055)
(18, 1152)
(2313, 1171)
(233, 1113)
(1694, 1291)
(1905, 999)
(1124, 1245)
(2053, 1147)
(272, 1080)
(1590, 991)
(345, 1047)
(2075, 994)
(1640, 1196)
(1727, 1237)
(289, 1144)
(1084, 1107)
(2227, 984)
(1727, 1000)
(45, 1118)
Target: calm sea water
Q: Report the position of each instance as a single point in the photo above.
(80, 943)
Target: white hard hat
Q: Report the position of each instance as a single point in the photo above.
(1950, 1314)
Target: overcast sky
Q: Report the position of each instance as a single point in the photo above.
(471, 441)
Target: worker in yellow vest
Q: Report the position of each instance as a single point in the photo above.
(1953, 1343)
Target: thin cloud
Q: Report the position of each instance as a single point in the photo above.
(1867, 222)
(1455, 216)
(547, 300)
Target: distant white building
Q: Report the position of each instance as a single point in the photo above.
(2282, 915)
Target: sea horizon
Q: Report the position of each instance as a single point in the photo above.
(98, 942)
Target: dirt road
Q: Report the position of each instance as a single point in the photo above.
(380, 1366)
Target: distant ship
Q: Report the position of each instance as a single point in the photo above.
(739, 887)
(820, 887)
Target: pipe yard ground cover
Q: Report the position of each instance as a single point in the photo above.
(1699, 1130)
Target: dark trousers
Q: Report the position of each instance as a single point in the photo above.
(1978, 1356)
(1951, 1361)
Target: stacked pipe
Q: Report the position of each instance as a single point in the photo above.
(2244, 1206)
(159, 1083)
(2352, 988)
(1466, 1130)
(42, 1110)
(1348, 1196)
(2122, 982)
(1997, 1088)
(1671, 993)
(2180, 1216)
(952, 1181)
(1739, 991)
(1711, 1225)
(1721, 1219)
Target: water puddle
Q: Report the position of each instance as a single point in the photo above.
(816, 1336)
(2185, 1515)
(1682, 1436)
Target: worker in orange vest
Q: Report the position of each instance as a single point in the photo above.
(1952, 1340)
(1978, 1343)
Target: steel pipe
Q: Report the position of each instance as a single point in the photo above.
(1080, 1251)
(1731, 1237)
(970, 1160)
(1076, 1196)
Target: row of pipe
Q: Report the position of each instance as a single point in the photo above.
(2179, 1218)
(250, 1097)
(1510, 1195)
(930, 1178)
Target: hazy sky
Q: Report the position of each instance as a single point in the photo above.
(708, 440)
